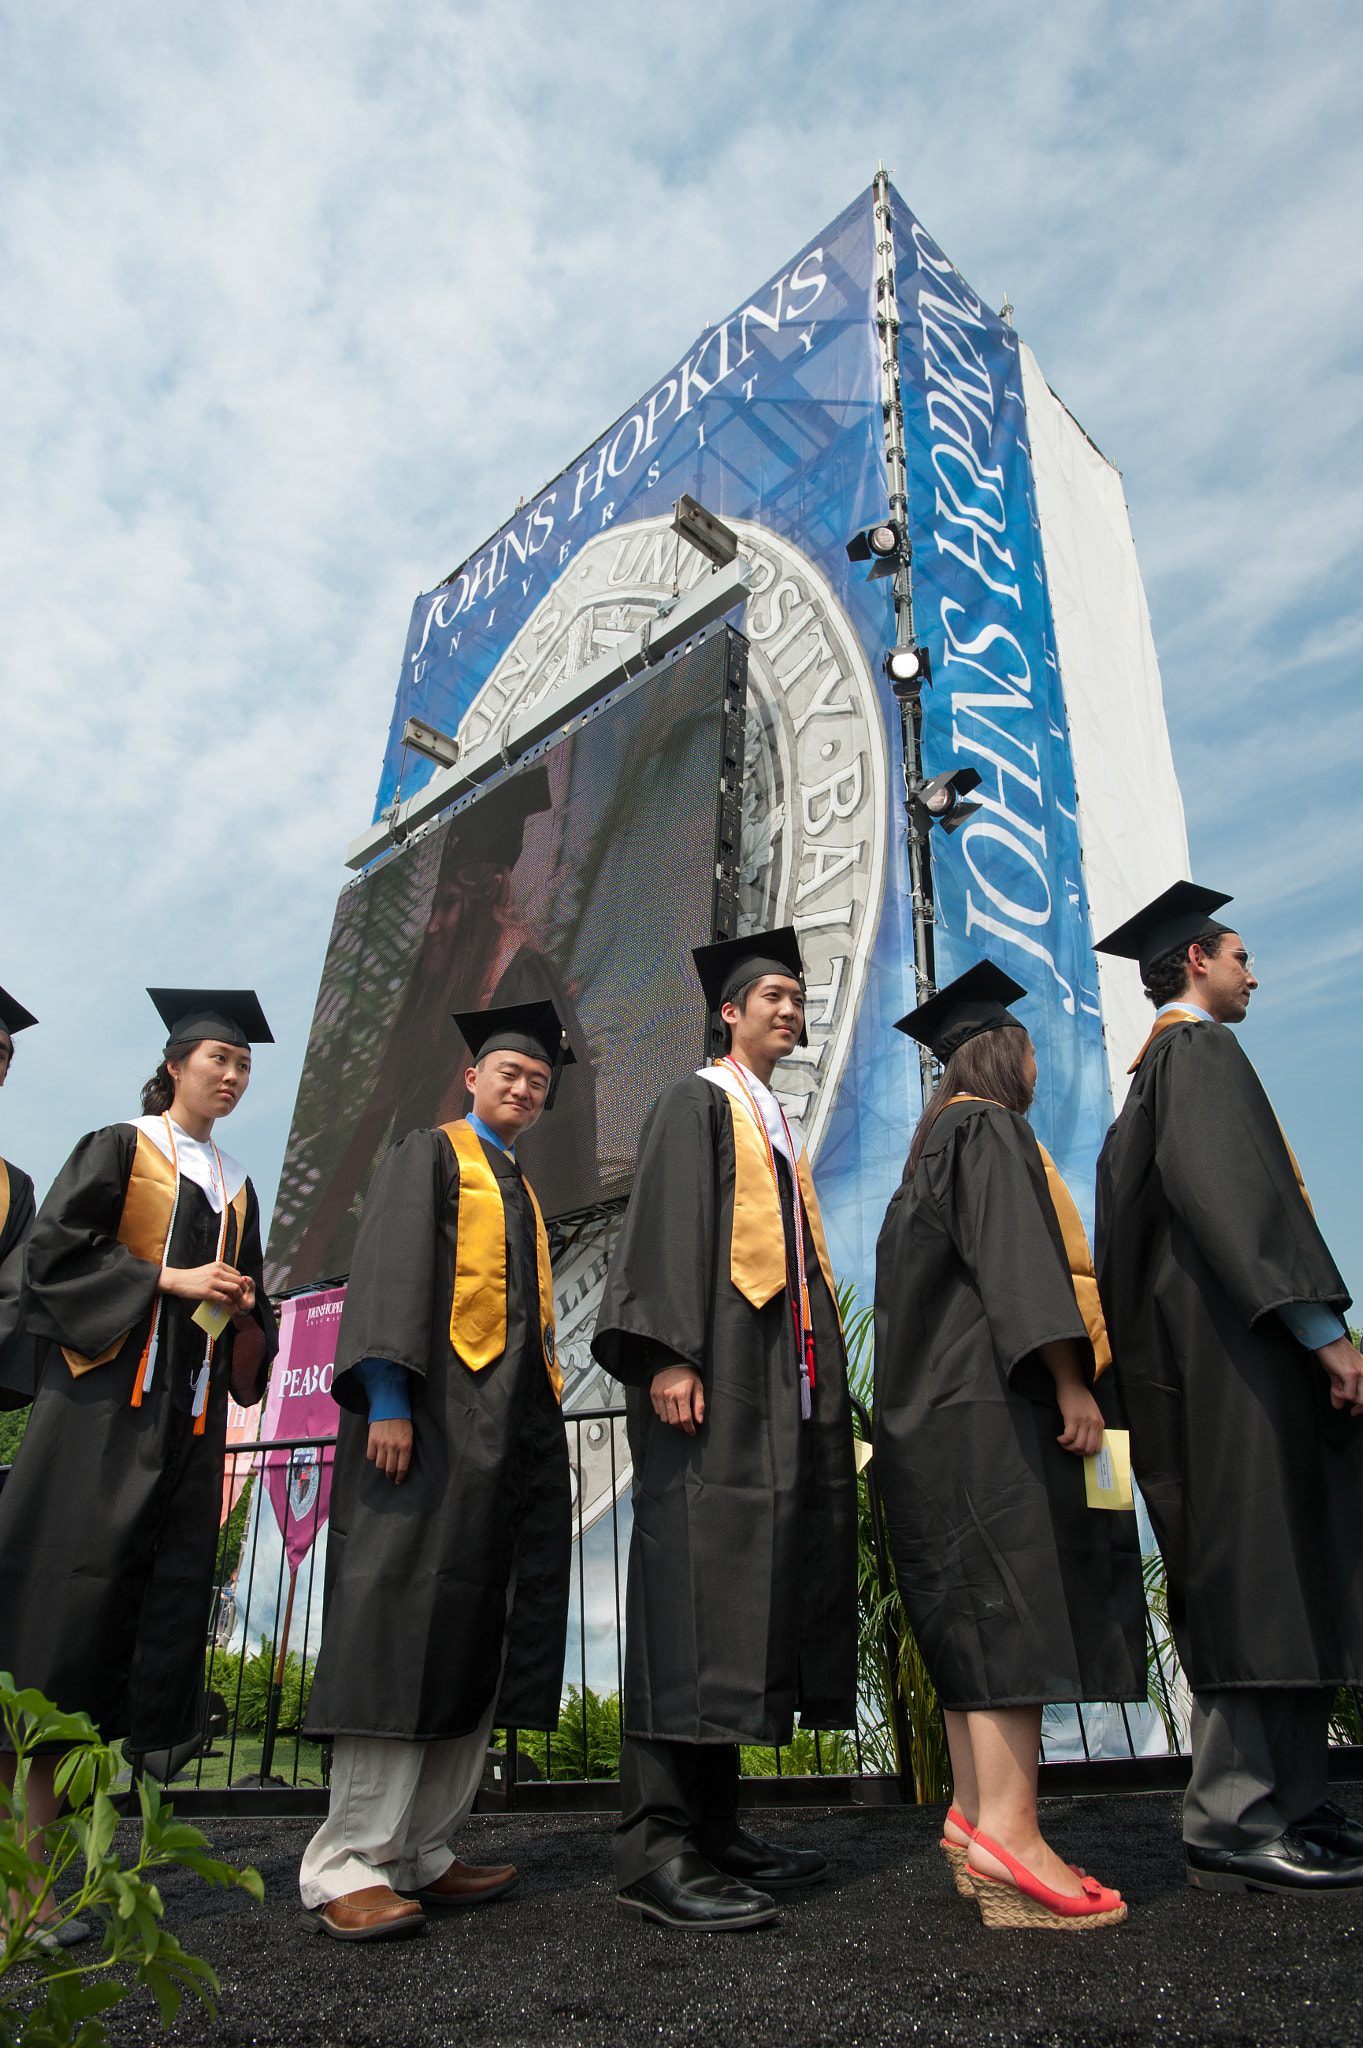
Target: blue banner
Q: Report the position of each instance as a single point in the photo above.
(774, 420)
(1009, 885)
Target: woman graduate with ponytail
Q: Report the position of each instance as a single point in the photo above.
(989, 1337)
(143, 1293)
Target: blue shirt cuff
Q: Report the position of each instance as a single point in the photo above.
(1311, 1324)
(385, 1385)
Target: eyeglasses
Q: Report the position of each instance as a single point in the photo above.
(1246, 960)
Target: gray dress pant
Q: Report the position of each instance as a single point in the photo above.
(1259, 1764)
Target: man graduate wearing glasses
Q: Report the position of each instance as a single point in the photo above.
(1244, 1395)
(719, 1317)
(451, 1528)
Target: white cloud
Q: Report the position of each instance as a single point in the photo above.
(300, 301)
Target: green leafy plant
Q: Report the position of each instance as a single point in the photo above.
(233, 1533)
(564, 1746)
(890, 1664)
(247, 1707)
(1346, 1716)
(56, 2001)
(13, 1423)
(803, 1756)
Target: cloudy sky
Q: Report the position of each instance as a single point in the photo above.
(301, 300)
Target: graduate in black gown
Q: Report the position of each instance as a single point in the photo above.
(17, 1211)
(1019, 1593)
(720, 1318)
(450, 1543)
(1245, 1401)
(109, 1519)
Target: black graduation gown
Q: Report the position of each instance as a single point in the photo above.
(109, 1520)
(16, 1345)
(742, 1592)
(1017, 1591)
(1253, 1481)
(415, 1612)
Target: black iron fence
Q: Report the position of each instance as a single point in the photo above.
(251, 1754)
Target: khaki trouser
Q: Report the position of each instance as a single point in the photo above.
(394, 1806)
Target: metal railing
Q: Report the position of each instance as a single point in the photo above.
(264, 1628)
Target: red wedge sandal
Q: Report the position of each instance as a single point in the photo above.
(956, 1855)
(1029, 1903)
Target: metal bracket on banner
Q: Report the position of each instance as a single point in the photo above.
(671, 625)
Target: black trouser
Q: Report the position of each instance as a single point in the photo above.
(674, 1796)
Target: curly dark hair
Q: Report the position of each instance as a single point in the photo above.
(989, 1064)
(1166, 979)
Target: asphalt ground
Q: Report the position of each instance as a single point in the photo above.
(884, 1951)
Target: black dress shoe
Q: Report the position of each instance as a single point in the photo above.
(1330, 1827)
(690, 1893)
(763, 1865)
(1290, 1863)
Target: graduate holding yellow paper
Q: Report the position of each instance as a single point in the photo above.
(109, 1520)
(989, 1339)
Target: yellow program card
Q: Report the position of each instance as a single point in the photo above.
(1107, 1474)
(213, 1316)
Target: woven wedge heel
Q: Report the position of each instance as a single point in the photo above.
(957, 1854)
(960, 1869)
(1029, 1903)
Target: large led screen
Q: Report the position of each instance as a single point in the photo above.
(586, 875)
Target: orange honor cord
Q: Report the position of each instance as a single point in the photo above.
(146, 1364)
(800, 1311)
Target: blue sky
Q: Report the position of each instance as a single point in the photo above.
(300, 302)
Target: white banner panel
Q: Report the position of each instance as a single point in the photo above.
(1131, 823)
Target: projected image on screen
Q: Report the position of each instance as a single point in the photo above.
(587, 877)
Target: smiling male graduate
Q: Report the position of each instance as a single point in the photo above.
(1244, 1396)
(451, 1531)
(720, 1318)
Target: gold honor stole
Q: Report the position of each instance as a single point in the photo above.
(144, 1227)
(478, 1311)
(1201, 1017)
(1077, 1253)
(4, 1196)
(757, 1252)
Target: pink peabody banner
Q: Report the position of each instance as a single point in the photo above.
(298, 1404)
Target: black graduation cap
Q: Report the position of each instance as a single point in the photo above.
(532, 1029)
(232, 1015)
(730, 964)
(13, 1015)
(493, 828)
(976, 1001)
(1180, 915)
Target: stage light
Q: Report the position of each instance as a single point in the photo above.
(708, 535)
(939, 802)
(886, 544)
(907, 669)
(425, 739)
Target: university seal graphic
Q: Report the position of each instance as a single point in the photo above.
(815, 809)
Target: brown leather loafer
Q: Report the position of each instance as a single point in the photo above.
(375, 1914)
(467, 1884)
